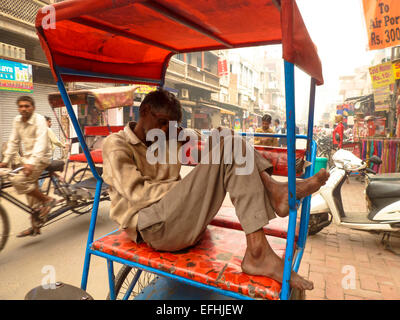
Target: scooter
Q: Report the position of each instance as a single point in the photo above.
(382, 194)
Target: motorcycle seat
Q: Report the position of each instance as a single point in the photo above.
(382, 189)
(56, 166)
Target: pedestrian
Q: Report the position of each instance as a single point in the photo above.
(278, 128)
(266, 128)
(54, 141)
(337, 134)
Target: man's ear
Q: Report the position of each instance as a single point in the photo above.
(144, 110)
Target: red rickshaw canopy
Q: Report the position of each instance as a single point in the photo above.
(129, 39)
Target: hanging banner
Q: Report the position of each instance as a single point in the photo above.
(382, 75)
(222, 68)
(382, 18)
(15, 76)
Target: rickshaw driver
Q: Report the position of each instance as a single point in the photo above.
(152, 204)
(30, 130)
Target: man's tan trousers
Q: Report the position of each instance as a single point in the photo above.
(180, 218)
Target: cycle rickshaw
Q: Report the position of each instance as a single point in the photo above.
(132, 42)
(75, 190)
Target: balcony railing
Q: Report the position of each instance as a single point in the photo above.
(21, 10)
(192, 73)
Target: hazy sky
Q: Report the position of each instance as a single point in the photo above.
(337, 27)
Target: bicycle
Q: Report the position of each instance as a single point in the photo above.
(75, 197)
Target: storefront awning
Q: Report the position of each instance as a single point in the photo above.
(217, 108)
(104, 98)
(227, 112)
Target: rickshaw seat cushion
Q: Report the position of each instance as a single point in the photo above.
(277, 227)
(96, 154)
(276, 156)
(102, 131)
(215, 260)
(56, 166)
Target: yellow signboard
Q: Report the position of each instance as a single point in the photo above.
(145, 89)
(396, 70)
(382, 18)
(382, 75)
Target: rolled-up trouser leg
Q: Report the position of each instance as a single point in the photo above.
(24, 184)
(179, 219)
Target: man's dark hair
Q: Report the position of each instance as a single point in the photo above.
(26, 98)
(47, 118)
(162, 100)
(277, 120)
(267, 117)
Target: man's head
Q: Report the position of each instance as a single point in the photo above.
(266, 121)
(157, 109)
(26, 107)
(48, 120)
(338, 118)
(277, 122)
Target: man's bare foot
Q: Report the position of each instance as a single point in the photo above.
(272, 266)
(278, 191)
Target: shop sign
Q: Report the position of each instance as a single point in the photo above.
(396, 70)
(382, 18)
(382, 99)
(222, 68)
(382, 75)
(15, 76)
(145, 89)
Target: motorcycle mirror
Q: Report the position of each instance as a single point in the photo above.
(375, 160)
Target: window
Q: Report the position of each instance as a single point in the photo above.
(179, 56)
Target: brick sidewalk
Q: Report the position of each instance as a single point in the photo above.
(336, 253)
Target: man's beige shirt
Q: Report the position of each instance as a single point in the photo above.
(33, 137)
(54, 142)
(134, 182)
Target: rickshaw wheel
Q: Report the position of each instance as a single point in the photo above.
(124, 278)
(4, 228)
(77, 177)
(80, 175)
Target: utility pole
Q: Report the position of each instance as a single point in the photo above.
(392, 110)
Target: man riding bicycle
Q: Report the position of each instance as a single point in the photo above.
(30, 131)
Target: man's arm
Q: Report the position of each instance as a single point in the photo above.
(12, 145)
(54, 140)
(121, 173)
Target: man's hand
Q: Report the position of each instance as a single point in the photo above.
(28, 169)
(3, 165)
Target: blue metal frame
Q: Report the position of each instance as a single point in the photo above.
(293, 203)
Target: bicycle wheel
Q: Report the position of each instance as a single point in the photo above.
(77, 177)
(80, 175)
(125, 277)
(4, 228)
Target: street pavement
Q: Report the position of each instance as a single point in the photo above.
(330, 256)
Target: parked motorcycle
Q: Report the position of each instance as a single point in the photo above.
(382, 195)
